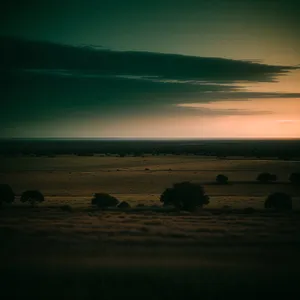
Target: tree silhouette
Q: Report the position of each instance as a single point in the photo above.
(222, 179)
(6, 194)
(185, 196)
(123, 204)
(266, 177)
(32, 196)
(280, 201)
(103, 200)
(295, 178)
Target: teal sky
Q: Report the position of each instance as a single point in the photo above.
(105, 86)
(251, 29)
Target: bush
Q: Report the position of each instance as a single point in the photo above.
(103, 200)
(185, 195)
(32, 196)
(222, 179)
(266, 177)
(123, 204)
(6, 194)
(295, 178)
(280, 201)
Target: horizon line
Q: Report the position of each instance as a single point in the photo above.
(150, 138)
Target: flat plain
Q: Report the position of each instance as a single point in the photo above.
(148, 251)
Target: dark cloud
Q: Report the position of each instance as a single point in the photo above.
(46, 95)
(237, 95)
(214, 112)
(16, 54)
(44, 83)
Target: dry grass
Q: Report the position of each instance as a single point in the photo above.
(85, 232)
(80, 176)
(140, 227)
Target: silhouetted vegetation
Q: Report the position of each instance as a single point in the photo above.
(103, 200)
(280, 201)
(294, 178)
(32, 196)
(266, 177)
(246, 148)
(85, 154)
(222, 179)
(6, 194)
(123, 204)
(185, 196)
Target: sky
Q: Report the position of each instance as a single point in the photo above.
(150, 69)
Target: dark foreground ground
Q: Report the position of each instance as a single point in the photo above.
(147, 255)
(157, 273)
(253, 278)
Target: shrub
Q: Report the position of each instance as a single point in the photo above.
(123, 204)
(32, 196)
(222, 179)
(266, 177)
(166, 197)
(295, 178)
(6, 194)
(185, 195)
(104, 200)
(280, 201)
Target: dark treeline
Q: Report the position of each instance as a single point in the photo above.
(282, 149)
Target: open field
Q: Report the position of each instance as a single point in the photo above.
(87, 254)
(147, 252)
(144, 178)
